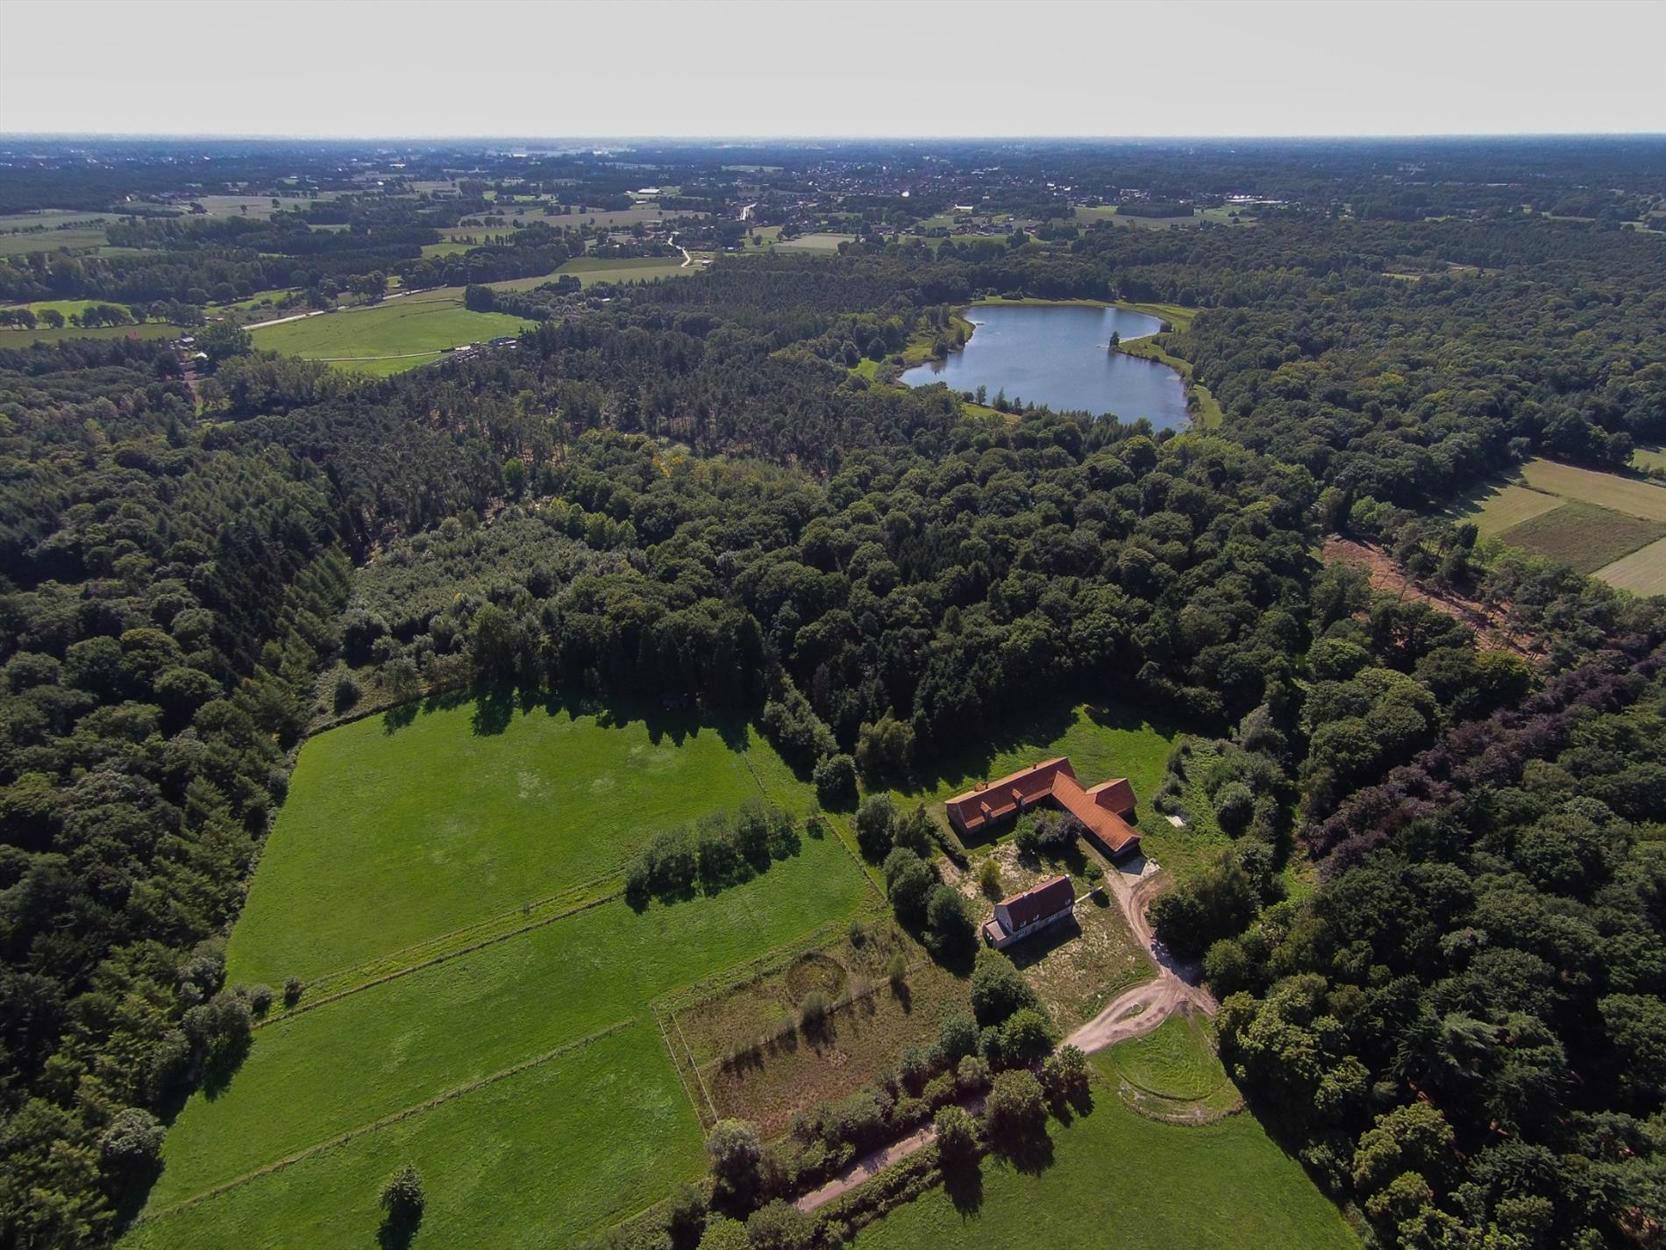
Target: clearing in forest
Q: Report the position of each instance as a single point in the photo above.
(399, 333)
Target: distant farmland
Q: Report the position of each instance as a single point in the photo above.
(397, 334)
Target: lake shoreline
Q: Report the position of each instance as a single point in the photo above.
(1148, 398)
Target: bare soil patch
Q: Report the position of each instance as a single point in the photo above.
(1492, 628)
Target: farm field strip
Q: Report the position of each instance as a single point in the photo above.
(1643, 572)
(1584, 536)
(1607, 490)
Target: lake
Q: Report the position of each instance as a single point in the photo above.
(1056, 355)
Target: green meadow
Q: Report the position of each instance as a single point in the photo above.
(471, 824)
(391, 336)
(521, 1066)
(1116, 1178)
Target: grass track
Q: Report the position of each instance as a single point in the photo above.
(1643, 572)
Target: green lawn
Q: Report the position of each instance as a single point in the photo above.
(1116, 1178)
(470, 824)
(591, 270)
(1172, 1061)
(391, 336)
(520, 1065)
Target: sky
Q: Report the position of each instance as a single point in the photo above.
(444, 68)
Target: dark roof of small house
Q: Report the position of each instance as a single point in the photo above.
(1047, 899)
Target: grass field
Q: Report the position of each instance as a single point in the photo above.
(1583, 535)
(52, 240)
(1113, 1177)
(40, 334)
(1174, 1060)
(1649, 457)
(1643, 572)
(473, 825)
(815, 242)
(1598, 523)
(497, 1169)
(524, 1073)
(389, 337)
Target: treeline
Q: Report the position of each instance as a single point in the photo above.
(1462, 1030)
(166, 608)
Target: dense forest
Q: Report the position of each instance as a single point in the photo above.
(687, 492)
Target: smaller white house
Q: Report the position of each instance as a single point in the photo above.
(1019, 915)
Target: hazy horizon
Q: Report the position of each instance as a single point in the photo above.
(444, 71)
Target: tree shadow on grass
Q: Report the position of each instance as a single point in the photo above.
(398, 1229)
(963, 1183)
(1032, 1154)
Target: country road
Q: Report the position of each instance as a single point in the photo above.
(1130, 1014)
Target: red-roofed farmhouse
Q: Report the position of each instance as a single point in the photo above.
(1104, 810)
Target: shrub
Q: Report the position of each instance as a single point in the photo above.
(972, 1074)
(1015, 1108)
(722, 1233)
(997, 989)
(346, 692)
(402, 1197)
(1065, 1071)
(908, 882)
(989, 878)
(835, 779)
(873, 827)
(292, 988)
(1026, 1035)
(897, 969)
(780, 1226)
(957, 1037)
(951, 923)
(1234, 805)
(260, 999)
(132, 1145)
(736, 1157)
(914, 831)
(957, 1135)
(813, 1010)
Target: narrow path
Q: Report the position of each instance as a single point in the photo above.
(1130, 1014)
(877, 1161)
